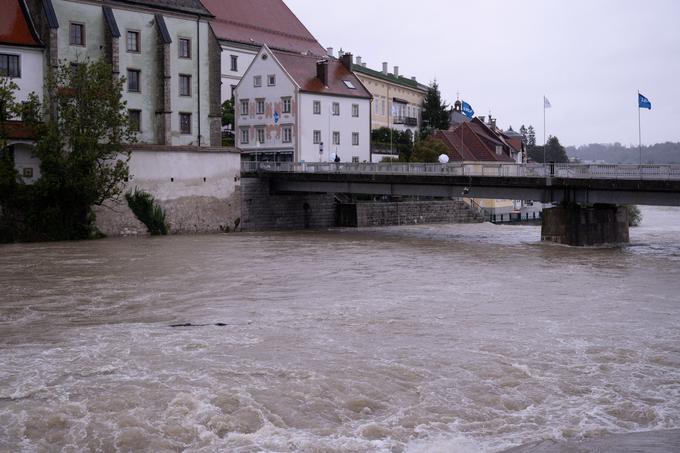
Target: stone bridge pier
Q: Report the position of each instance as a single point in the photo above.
(577, 225)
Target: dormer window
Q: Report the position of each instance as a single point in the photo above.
(349, 84)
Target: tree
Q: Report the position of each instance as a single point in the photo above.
(523, 132)
(531, 136)
(428, 150)
(554, 152)
(228, 112)
(435, 113)
(81, 148)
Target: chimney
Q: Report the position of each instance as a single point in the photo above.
(340, 53)
(329, 51)
(413, 78)
(482, 119)
(396, 71)
(322, 71)
(363, 64)
(384, 71)
(358, 61)
(346, 60)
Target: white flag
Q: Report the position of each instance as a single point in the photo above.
(546, 103)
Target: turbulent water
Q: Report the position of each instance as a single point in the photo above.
(413, 339)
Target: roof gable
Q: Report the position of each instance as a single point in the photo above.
(259, 22)
(302, 69)
(16, 26)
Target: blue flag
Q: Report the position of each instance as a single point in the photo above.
(467, 110)
(643, 102)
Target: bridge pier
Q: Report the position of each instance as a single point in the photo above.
(576, 225)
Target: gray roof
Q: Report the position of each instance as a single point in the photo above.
(184, 6)
(110, 21)
(163, 29)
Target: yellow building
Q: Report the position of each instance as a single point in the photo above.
(397, 100)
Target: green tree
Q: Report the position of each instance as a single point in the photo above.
(531, 136)
(554, 152)
(228, 112)
(435, 113)
(428, 150)
(81, 148)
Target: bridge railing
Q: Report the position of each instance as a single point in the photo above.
(533, 170)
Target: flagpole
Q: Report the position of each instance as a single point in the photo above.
(544, 130)
(639, 129)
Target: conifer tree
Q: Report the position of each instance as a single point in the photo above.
(435, 111)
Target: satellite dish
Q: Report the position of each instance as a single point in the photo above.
(443, 159)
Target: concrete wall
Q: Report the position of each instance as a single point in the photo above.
(581, 226)
(198, 187)
(406, 213)
(262, 210)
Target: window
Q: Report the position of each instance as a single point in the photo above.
(76, 36)
(336, 137)
(286, 105)
(375, 106)
(287, 135)
(245, 136)
(355, 139)
(184, 85)
(355, 159)
(257, 81)
(135, 117)
(10, 65)
(317, 137)
(234, 63)
(185, 123)
(74, 70)
(132, 41)
(260, 135)
(184, 47)
(336, 109)
(499, 149)
(317, 107)
(259, 106)
(244, 106)
(133, 80)
(271, 80)
(382, 107)
(349, 84)
(355, 110)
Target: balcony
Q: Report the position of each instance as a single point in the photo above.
(406, 120)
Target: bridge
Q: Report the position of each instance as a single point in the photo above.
(589, 194)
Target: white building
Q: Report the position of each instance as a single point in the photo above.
(165, 50)
(294, 107)
(21, 59)
(244, 26)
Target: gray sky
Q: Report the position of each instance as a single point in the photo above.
(589, 57)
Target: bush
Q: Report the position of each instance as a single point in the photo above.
(148, 211)
(634, 215)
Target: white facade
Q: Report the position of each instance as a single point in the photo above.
(235, 60)
(267, 129)
(146, 60)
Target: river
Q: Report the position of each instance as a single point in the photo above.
(403, 339)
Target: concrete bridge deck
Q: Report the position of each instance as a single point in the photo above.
(577, 183)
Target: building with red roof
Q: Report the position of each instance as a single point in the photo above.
(244, 26)
(294, 107)
(22, 60)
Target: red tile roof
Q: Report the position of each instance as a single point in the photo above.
(17, 130)
(302, 68)
(260, 22)
(16, 27)
(477, 144)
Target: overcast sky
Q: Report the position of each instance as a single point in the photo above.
(589, 57)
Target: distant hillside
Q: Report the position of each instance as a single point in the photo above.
(661, 153)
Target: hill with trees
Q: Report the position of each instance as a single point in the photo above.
(616, 153)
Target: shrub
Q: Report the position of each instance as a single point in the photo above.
(148, 211)
(634, 215)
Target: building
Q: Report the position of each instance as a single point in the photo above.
(397, 100)
(164, 48)
(244, 26)
(295, 107)
(21, 59)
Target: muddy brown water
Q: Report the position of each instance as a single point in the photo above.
(403, 339)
